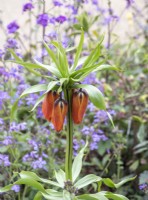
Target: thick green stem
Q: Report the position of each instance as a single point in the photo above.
(69, 138)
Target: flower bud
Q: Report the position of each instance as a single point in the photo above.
(79, 104)
(47, 105)
(60, 109)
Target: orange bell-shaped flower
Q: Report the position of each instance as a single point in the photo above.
(60, 109)
(79, 105)
(47, 105)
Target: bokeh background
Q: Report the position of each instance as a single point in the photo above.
(29, 142)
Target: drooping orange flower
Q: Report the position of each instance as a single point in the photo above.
(47, 105)
(79, 105)
(60, 109)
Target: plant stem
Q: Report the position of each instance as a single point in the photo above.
(69, 138)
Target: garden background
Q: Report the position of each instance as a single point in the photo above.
(28, 141)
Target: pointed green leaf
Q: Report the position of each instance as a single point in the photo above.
(38, 196)
(125, 180)
(94, 55)
(60, 177)
(6, 188)
(14, 55)
(66, 195)
(51, 69)
(96, 97)
(51, 54)
(13, 110)
(80, 62)
(50, 197)
(32, 175)
(34, 89)
(40, 99)
(88, 179)
(51, 85)
(77, 163)
(110, 118)
(79, 50)
(99, 196)
(106, 67)
(30, 182)
(63, 62)
(108, 182)
(112, 196)
(86, 197)
(54, 193)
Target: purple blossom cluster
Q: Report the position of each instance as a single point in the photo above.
(14, 127)
(34, 157)
(16, 188)
(4, 160)
(143, 186)
(12, 27)
(44, 19)
(28, 6)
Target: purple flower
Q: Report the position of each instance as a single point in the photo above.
(3, 97)
(8, 140)
(16, 188)
(27, 6)
(11, 43)
(143, 186)
(1, 121)
(43, 19)
(34, 144)
(12, 27)
(4, 160)
(87, 130)
(57, 3)
(39, 163)
(129, 3)
(95, 2)
(1, 53)
(60, 19)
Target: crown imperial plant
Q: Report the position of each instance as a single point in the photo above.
(66, 80)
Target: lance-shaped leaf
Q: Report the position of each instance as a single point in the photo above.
(113, 196)
(6, 188)
(110, 183)
(38, 196)
(66, 195)
(63, 67)
(51, 69)
(54, 193)
(88, 179)
(86, 197)
(40, 99)
(78, 52)
(51, 54)
(14, 55)
(34, 89)
(106, 67)
(77, 163)
(50, 197)
(30, 182)
(95, 95)
(13, 110)
(94, 56)
(51, 86)
(60, 177)
(32, 175)
(83, 72)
